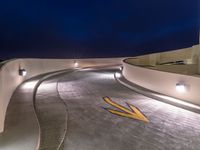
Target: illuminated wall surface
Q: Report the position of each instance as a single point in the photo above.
(71, 29)
(14, 72)
(163, 73)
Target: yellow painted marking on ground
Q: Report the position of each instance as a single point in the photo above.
(138, 112)
(109, 101)
(134, 113)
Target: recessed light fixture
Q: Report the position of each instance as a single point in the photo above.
(180, 87)
(22, 72)
(75, 64)
(118, 75)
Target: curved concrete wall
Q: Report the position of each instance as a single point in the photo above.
(189, 55)
(188, 69)
(10, 79)
(164, 82)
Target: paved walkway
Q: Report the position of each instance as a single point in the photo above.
(52, 115)
(89, 126)
(21, 127)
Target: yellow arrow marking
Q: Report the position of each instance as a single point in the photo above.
(136, 110)
(134, 113)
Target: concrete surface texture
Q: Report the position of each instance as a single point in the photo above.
(92, 127)
(10, 78)
(188, 55)
(52, 115)
(189, 69)
(79, 96)
(21, 126)
(156, 95)
(164, 82)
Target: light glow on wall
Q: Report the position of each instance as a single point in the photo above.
(118, 75)
(22, 72)
(180, 87)
(29, 84)
(121, 68)
(178, 101)
(75, 64)
(106, 76)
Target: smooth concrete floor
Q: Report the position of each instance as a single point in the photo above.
(90, 127)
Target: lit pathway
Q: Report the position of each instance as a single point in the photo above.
(74, 103)
(52, 115)
(21, 127)
(90, 127)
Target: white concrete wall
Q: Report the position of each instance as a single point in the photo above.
(164, 82)
(176, 55)
(196, 55)
(189, 55)
(190, 69)
(10, 79)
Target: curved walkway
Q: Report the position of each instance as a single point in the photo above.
(90, 127)
(22, 129)
(52, 115)
(21, 126)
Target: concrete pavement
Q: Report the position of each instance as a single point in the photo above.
(22, 129)
(77, 98)
(52, 115)
(91, 127)
(21, 126)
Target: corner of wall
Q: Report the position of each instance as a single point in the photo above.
(1, 124)
(196, 56)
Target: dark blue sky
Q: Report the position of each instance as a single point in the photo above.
(96, 28)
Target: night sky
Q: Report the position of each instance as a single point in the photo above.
(96, 28)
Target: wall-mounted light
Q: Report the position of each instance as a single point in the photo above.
(22, 72)
(75, 64)
(121, 68)
(180, 87)
(118, 75)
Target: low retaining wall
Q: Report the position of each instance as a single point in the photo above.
(187, 69)
(10, 79)
(163, 82)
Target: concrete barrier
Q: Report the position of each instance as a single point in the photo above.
(10, 78)
(187, 69)
(188, 56)
(163, 82)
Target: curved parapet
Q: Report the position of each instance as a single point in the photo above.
(180, 86)
(14, 72)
